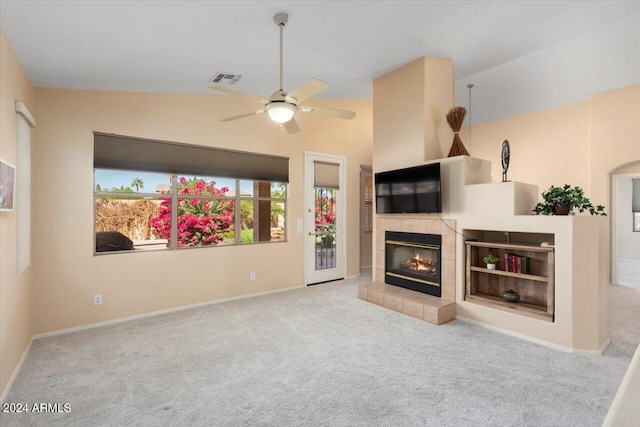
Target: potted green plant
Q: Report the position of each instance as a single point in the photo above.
(563, 201)
(491, 260)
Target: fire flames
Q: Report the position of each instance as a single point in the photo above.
(420, 265)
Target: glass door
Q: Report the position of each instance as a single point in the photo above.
(324, 194)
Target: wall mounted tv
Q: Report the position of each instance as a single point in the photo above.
(410, 190)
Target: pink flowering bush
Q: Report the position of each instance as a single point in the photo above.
(325, 208)
(201, 222)
(326, 216)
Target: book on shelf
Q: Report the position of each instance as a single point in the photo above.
(517, 264)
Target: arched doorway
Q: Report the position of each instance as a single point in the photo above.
(625, 238)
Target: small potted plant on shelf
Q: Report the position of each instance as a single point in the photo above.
(491, 260)
(563, 200)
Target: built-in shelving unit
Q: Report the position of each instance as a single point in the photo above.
(536, 288)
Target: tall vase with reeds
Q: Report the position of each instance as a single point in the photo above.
(455, 117)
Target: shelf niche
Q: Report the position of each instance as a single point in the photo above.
(536, 288)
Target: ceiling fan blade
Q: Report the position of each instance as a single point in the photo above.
(237, 93)
(307, 90)
(291, 126)
(241, 116)
(330, 112)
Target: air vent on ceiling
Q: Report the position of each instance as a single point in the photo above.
(225, 78)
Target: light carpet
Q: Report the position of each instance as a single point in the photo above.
(318, 356)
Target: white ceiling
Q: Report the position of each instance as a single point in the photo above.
(177, 46)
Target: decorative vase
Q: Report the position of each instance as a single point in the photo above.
(561, 209)
(455, 117)
(491, 266)
(510, 296)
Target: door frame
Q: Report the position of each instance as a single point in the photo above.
(614, 213)
(341, 222)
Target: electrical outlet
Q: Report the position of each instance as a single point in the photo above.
(97, 299)
(252, 276)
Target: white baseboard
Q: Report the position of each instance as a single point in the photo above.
(602, 349)
(7, 389)
(536, 340)
(157, 313)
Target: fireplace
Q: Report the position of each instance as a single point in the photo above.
(412, 261)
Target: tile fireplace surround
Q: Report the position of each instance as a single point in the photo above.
(416, 304)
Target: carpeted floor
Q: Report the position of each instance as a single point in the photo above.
(318, 356)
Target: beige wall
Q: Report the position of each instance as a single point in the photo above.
(615, 142)
(614, 137)
(67, 273)
(548, 147)
(409, 105)
(15, 290)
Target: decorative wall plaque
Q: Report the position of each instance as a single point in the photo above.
(506, 155)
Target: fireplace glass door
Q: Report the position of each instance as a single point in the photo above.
(415, 262)
(412, 261)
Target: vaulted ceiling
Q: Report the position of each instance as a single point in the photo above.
(177, 46)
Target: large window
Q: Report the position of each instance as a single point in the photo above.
(152, 194)
(138, 210)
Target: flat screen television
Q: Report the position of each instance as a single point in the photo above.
(410, 190)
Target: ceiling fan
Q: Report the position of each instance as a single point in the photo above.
(282, 106)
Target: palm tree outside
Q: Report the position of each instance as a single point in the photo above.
(137, 183)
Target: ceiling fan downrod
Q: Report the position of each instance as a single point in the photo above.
(281, 20)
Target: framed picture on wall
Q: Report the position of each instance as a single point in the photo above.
(636, 221)
(7, 185)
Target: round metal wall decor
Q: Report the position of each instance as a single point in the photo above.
(506, 155)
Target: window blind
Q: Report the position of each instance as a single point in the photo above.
(148, 155)
(368, 204)
(326, 175)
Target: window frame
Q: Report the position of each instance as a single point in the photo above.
(237, 199)
(367, 204)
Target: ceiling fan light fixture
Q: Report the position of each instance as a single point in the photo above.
(282, 106)
(281, 112)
